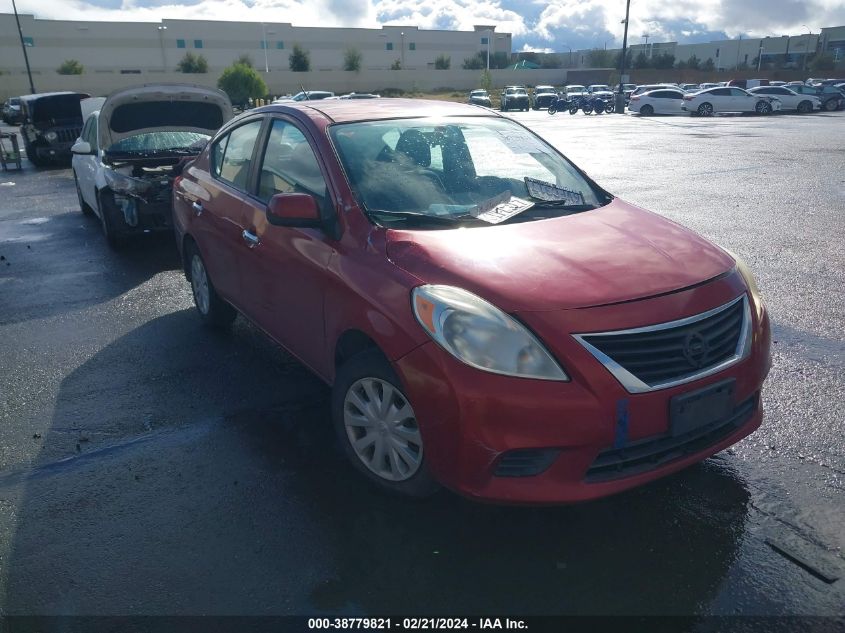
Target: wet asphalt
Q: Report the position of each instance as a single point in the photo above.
(149, 466)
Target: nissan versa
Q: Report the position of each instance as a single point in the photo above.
(489, 318)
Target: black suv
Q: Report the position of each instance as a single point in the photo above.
(514, 98)
(51, 123)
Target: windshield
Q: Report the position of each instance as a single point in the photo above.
(575, 89)
(424, 173)
(478, 93)
(160, 141)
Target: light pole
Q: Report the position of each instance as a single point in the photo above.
(23, 48)
(570, 54)
(402, 55)
(620, 96)
(161, 29)
(738, 47)
(489, 37)
(760, 56)
(806, 48)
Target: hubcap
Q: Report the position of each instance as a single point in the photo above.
(199, 283)
(382, 429)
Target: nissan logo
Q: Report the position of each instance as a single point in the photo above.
(695, 349)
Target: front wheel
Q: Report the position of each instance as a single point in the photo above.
(805, 107)
(377, 428)
(763, 107)
(610, 108)
(573, 110)
(552, 109)
(213, 310)
(588, 109)
(83, 206)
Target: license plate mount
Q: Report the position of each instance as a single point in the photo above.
(690, 411)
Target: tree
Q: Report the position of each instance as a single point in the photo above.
(396, 65)
(499, 60)
(693, 63)
(245, 60)
(475, 62)
(822, 62)
(70, 67)
(442, 62)
(241, 82)
(617, 61)
(299, 60)
(191, 63)
(708, 65)
(641, 61)
(599, 58)
(664, 61)
(352, 60)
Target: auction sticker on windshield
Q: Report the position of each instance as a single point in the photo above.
(500, 208)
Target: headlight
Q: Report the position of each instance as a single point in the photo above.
(743, 270)
(480, 335)
(51, 136)
(124, 184)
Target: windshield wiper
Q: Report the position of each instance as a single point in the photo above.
(425, 217)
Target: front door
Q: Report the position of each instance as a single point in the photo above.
(284, 272)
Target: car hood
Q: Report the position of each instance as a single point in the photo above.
(162, 108)
(609, 255)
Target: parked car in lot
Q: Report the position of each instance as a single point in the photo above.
(707, 85)
(307, 95)
(689, 87)
(649, 87)
(359, 95)
(831, 97)
(789, 99)
(544, 96)
(575, 90)
(748, 83)
(12, 111)
(514, 98)
(446, 272)
(51, 122)
(728, 99)
(664, 101)
(479, 97)
(593, 88)
(130, 152)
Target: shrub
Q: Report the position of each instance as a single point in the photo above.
(241, 82)
(191, 63)
(70, 67)
(299, 60)
(396, 65)
(352, 60)
(442, 62)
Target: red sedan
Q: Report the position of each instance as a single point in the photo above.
(488, 317)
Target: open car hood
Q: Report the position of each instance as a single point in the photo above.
(162, 108)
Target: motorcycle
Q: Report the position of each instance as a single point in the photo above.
(561, 104)
(592, 104)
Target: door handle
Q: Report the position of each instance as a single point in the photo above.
(197, 207)
(251, 239)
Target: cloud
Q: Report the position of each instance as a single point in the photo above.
(535, 24)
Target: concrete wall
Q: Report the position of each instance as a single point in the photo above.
(338, 81)
(158, 46)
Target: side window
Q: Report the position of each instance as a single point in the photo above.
(237, 157)
(91, 136)
(674, 95)
(86, 129)
(721, 92)
(738, 92)
(217, 151)
(289, 164)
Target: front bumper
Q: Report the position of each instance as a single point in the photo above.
(53, 151)
(472, 421)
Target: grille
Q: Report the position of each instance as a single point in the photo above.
(525, 462)
(668, 354)
(645, 455)
(68, 135)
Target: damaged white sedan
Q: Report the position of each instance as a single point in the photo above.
(133, 145)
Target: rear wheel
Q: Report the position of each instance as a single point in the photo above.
(610, 108)
(830, 105)
(552, 109)
(705, 109)
(805, 107)
(588, 109)
(573, 110)
(377, 428)
(646, 110)
(213, 310)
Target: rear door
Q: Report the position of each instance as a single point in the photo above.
(217, 206)
(285, 269)
(742, 101)
(86, 165)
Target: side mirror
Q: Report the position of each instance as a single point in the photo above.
(294, 209)
(81, 147)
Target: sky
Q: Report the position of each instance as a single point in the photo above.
(550, 25)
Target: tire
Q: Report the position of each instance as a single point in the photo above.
(360, 384)
(646, 110)
(705, 109)
(610, 108)
(573, 110)
(588, 109)
(213, 311)
(552, 109)
(763, 108)
(830, 105)
(805, 107)
(599, 109)
(83, 206)
(32, 156)
(106, 206)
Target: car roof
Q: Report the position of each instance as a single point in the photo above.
(350, 111)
